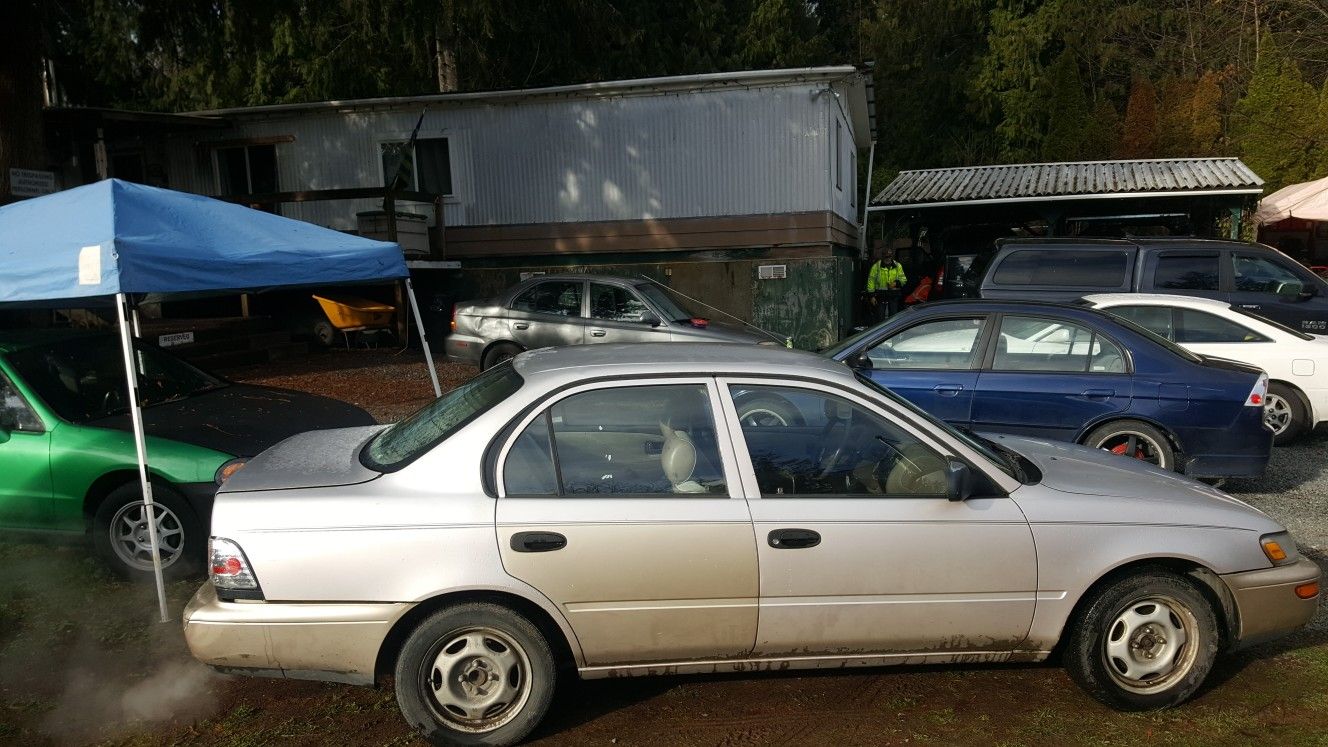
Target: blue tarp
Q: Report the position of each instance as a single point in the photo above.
(115, 236)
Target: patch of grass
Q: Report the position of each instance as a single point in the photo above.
(943, 716)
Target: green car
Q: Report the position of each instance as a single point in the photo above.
(67, 458)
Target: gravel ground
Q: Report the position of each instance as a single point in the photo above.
(1294, 491)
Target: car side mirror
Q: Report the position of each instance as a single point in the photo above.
(859, 361)
(958, 481)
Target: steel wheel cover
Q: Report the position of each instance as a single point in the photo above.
(1277, 413)
(130, 539)
(1150, 644)
(476, 679)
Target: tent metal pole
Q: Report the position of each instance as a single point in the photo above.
(140, 444)
(424, 339)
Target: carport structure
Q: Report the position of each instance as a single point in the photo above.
(115, 240)
(1074, 197)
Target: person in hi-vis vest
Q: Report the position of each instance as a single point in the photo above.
(885, 282)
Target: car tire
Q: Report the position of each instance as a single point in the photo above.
(1143, 642)
(498, 353)
(1134, 438)
(475, 674)
(1285, 413)
(767, 409)
(324, 333)
(120, 537)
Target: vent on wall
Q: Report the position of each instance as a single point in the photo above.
(772, 272)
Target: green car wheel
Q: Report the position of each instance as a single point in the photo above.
(120, 532)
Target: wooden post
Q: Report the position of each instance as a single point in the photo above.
(438, 247)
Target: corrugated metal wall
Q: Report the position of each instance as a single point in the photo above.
(704, 153)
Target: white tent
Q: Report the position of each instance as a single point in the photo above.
(1307, 200)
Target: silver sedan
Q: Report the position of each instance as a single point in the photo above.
(611, 511)
(549, 310)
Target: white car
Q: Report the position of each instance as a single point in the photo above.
(1297, 363)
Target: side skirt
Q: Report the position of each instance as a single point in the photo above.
(727, 666)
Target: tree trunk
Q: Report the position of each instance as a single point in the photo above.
(22, 144)
(444, 57)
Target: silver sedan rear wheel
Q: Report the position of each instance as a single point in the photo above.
(480, 679)
(475, 673)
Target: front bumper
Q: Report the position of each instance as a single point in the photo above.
(331, 642)
(1266, 602)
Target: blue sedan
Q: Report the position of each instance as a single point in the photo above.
(1072, 374)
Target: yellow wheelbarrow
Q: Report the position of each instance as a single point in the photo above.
(347, 314)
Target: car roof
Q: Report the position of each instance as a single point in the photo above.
(13, 340)
(580, 362)
(1158, 299)
(586, 276)
(983, 305)
(1139, 241)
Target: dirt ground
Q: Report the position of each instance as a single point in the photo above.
(83, 660)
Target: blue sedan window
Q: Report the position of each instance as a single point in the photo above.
(1030, 343)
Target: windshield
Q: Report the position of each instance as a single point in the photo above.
(673, 306)
(406, 441)
(1000, 457)
(83, 379)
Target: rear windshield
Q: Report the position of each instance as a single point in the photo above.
(1063, 267)
(1271, 323)
(407, 440)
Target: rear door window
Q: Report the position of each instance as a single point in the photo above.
(1048, 345)
(1200, 326)
(642, 440)
(560, 298)
(1098, 268)
(1186, 272)
(1155, 319)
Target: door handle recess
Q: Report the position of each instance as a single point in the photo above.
(793, 539)
(1099, 393)
(948, 390)
(521, 325)
(538, 541)
(596, 333)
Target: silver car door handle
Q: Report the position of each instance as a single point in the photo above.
(520, 325)
(597, 333)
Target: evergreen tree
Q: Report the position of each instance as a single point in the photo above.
(1139, 130)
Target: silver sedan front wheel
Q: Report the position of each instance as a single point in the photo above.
(1147, 647)
(1142, 641)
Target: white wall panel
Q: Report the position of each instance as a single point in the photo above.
(669, 155)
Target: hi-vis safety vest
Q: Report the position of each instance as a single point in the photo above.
(879, 277)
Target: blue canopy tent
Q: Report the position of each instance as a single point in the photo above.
(116, 238)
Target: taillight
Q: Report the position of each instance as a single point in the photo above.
(453, 317)
(1259, 393)
(231, 574)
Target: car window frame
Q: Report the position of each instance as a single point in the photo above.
(583, 315)
(7, 380)
(629, 290)
(989, 355)
(979, 344)
(509, 433)
(1004, 483)
(1223, 274)
(1178, 314)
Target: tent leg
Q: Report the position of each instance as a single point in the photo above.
(424, 340)
(140, 444)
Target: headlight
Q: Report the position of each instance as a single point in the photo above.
(225, 471)
(1280, 548)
